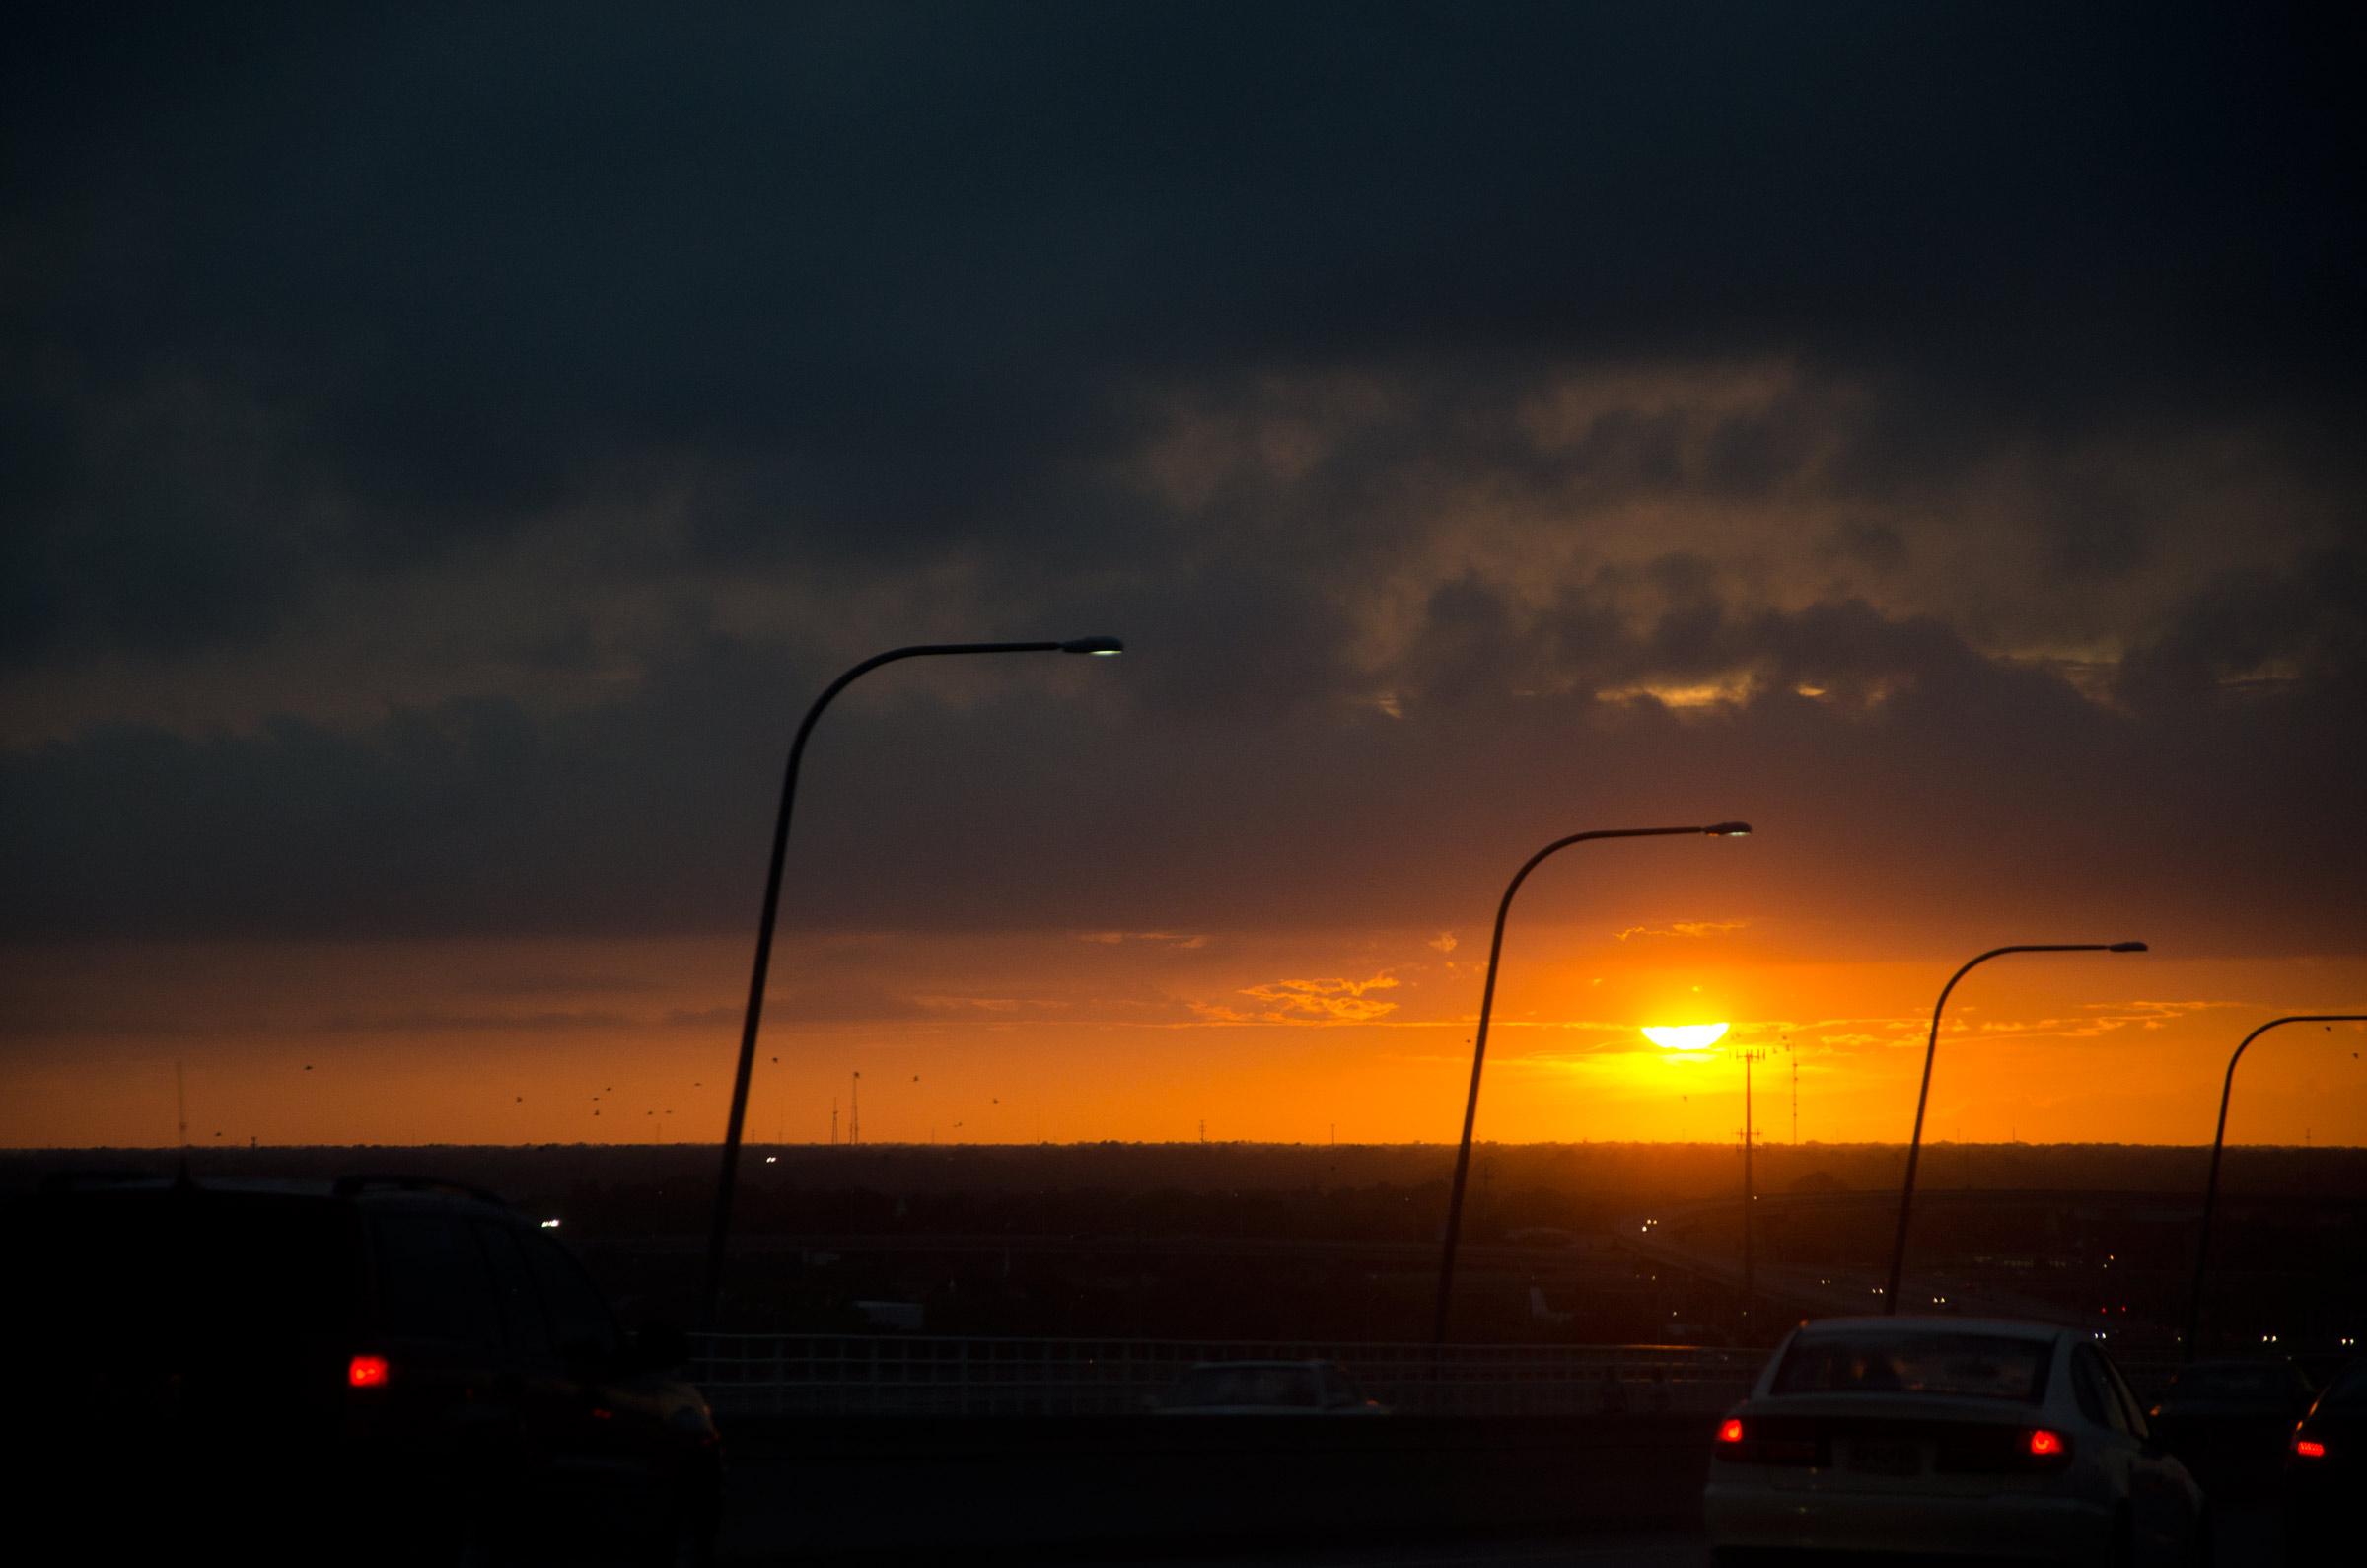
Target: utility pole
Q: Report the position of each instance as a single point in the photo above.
(854, 1112)
(833, 1122)
(1795, 1099)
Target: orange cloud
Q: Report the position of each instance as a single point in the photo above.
(1173, 939)
(1685, 928)
(1334, 1001)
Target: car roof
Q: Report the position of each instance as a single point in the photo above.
(2003, 1327)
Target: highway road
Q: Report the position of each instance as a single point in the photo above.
(1247, 1494)
(2247, 1539)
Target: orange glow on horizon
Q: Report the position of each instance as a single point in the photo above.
(1082, 1035)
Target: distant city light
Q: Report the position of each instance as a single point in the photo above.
(550, 1225)
(771, 1158)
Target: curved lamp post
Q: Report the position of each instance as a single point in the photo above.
(1487, 999)
(1099, 646)
(2211, 1190)
(1915, 1147)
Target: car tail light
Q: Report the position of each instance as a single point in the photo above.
(366, 1371)
(2308, 1448)
(1774, 1441)
(2044, 1448)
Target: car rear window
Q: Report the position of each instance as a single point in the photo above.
(433, 1280)
(1877, 1360)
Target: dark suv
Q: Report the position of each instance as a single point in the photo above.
(383, 1367)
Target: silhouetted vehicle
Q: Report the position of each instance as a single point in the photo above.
(1268, 1387)
(2326, 1473)
(385, 1367)
(2230, 1422)
(1951, 1436)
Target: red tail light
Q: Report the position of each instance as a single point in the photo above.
(2046, 1445)
(1732, 1431)
(2309, 1448)
(366, 1371)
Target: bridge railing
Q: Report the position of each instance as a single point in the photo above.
(952, 1374)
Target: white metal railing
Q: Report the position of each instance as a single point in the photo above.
(948, 1375)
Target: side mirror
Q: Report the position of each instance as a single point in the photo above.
(660, 1347)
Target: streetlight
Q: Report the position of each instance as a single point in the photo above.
(2211, 1190)
(1096, 647)
(1487, 998)
(1915, 1147)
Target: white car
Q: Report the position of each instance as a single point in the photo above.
(1951, 1436)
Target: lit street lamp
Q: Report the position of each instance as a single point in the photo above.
(1915, 1147)
(1102, 647)
(1487, 998)
(2211, 1190)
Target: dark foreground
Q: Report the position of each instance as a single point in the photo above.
(1391, 1492)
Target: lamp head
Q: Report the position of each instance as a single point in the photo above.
(1099, 647)
(1728, 829)
(2126, 947)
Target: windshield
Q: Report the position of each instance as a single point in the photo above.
(1969, 1366)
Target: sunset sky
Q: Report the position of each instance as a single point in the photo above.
(441, 456)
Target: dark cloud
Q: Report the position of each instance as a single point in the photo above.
(878, 279)
(1918, 764)
(1427, 392)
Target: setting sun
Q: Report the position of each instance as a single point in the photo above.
(1686, 1036)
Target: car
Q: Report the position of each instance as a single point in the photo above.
(379, 1367)
(2326, 1471)
(1947, 1436)
(1268, 1387)
(2229, 1421)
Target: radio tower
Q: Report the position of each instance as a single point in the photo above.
(1750, 1055)
(854, 1112)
